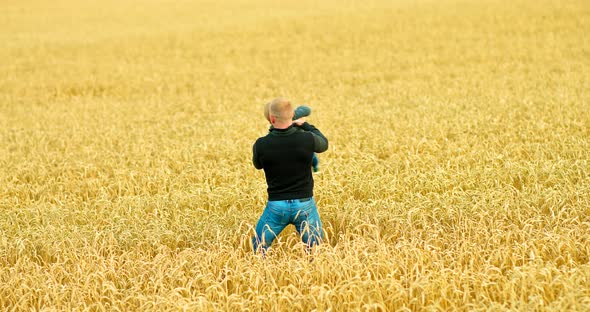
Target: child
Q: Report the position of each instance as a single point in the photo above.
(300, 111)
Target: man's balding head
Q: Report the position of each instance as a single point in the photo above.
(279, 109)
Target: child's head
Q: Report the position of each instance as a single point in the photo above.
(267, 111)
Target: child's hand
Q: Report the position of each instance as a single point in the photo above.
(299, 121)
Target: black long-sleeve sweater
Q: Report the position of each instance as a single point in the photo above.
(286, 156)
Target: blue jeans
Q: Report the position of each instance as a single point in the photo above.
(280, 213)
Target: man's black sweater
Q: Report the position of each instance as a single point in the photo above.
(286, 156)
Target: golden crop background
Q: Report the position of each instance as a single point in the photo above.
(457, 176)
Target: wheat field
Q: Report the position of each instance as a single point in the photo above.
(457, 176)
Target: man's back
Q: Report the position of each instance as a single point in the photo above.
(286, 157)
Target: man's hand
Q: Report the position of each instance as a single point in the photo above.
(300, 121)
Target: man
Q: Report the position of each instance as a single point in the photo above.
(285, 154)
